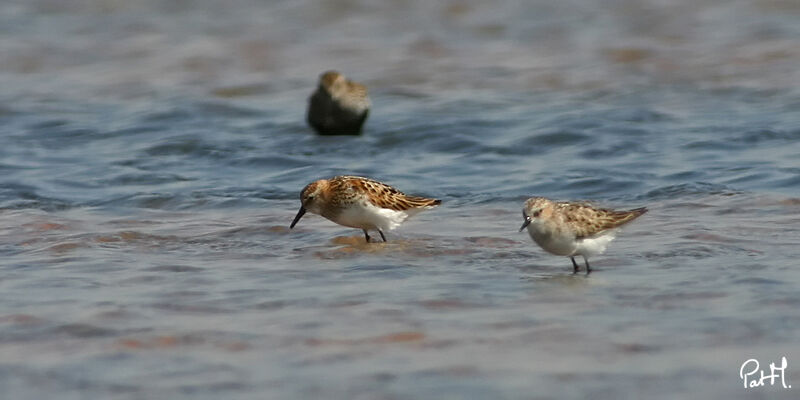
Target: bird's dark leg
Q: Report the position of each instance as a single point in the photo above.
(382, 237)
(366, 235)
(574, 265)
(588, 268)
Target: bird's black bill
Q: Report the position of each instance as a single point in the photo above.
(297, 217)
(526, 223)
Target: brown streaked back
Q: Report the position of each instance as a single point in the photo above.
(356, 90)
(383, 195)
(587, 221)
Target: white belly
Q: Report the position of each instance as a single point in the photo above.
(564, 243)
(368, 216)
(558, 244)
(595, 245)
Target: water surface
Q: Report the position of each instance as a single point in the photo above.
(152, 157)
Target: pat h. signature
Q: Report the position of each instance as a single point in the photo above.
(751, 368)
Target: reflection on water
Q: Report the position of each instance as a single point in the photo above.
(152, 155)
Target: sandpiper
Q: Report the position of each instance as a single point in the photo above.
(338, 106)
(360, 203)
(571, 229)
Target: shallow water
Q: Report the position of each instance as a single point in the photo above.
(152, 157)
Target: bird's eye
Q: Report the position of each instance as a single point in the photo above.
(536, 214)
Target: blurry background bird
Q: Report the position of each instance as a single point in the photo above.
(339, 106)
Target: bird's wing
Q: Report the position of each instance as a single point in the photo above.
(587, 221)
(385, 196)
